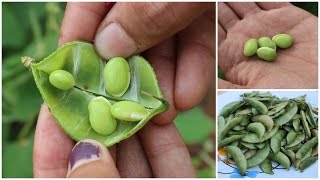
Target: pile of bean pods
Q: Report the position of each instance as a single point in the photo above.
(266, 48)
(263, 128)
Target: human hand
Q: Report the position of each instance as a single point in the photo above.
(295, 67)
(155, 151)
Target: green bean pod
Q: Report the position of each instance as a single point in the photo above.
(305, 124)
(257, 105)
(227, 109)
(275, 142)
(291, 136)
(287, 116)
(270, 133)
(296, 141)
(282, 159)
(307, 162)
(265, 120)
(257, 128)
(251, 152)
(239, 158)
(251, 138)
(229, 140)
(266, 166)
(260, 156)
(230, 124)
(306, 147)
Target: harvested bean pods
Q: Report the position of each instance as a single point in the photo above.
(278, 130)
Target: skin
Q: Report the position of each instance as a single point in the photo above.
(293, 67)
(176, 49)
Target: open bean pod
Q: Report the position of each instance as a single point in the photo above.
(70, 107)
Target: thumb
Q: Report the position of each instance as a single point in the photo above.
(133, 27)
(90, 159)
(222, 84)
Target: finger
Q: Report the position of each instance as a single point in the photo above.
(51, 147)
(113, 152)
(133, 27)
(222, 34)
(273, 5)
(81, 21)
(162, 58)
(222, 84)
(243, 9)
(195, 65)
(167, 153)
(91, 159)
(132, 161)
(226, 17)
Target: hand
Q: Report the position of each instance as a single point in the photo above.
(295, 67)
(155, 151)
(181, 36)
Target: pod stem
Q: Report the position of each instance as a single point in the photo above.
(26, 61)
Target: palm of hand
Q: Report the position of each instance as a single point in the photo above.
(295, 67)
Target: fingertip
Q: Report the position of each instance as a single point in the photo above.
(89, 158)
(166, 117)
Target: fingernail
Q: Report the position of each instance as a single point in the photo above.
(83, 152)
(114, 41)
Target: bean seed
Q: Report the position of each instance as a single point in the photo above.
(282, 40)
(62, 79)
(117, 76)
(129, 111)
(267, 54)
(250, 47)
(100, 117)
(266, 42)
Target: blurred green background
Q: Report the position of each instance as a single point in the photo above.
(311, 7)
(32, 29)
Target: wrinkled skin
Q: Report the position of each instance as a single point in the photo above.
(295, 67)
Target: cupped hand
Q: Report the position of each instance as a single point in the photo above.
(178, 41)
(295, 67)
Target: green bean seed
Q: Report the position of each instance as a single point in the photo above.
(257, 128)
(129, 111)
(287, 116)
(266, 166)
(250, 47)
(282, 40)
(117, 76)
(257, 104)
(265, 120)
(229, 140)
(239, 158)
(100, 117)
(307, 162)
(260, 156)
(267, 54)
(266, 42)
(275, 142)
(306, 147)
(62, 79)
